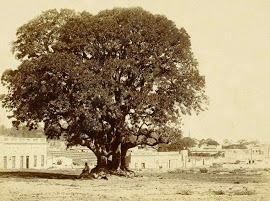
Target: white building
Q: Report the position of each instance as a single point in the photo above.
(206, 149)
(250, 155)
(60, 162)
(151, 159)
(23, 153)
(265, 150)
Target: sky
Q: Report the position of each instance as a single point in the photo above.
(230, 39)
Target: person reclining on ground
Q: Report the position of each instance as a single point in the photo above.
(85, 171)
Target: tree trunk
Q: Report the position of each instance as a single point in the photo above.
(124, 150)
(102, 164)
(116, 166)
(116, 158)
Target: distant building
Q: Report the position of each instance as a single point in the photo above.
(242, 155)
(57, 145)
(206, 149)
(202, 161)
(23, 153)
(80, 148)
(151, 159)
(250, 155)
(78, 155)
(60, 162)
(265, 149)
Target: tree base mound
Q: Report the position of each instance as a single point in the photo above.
(103, 173)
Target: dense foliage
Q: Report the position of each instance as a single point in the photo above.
(109, 81)
(179, 143)
(22, 132)
(208, 141)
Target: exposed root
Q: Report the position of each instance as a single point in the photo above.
(123, 173)
(103, 173)
(126, 169)
(128, 172)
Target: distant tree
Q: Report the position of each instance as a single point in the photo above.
(254, 142)
(208, 141)
(177, 144)
(109, 81)
(246, 142)
(242, 142)
(235, 146)
(3, 130)
(21, 131)
(227, 141)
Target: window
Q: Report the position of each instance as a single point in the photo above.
(27, 162)
(35, 161)
(42, 160)
(21, 162)
(5, 162)
(143, 165)
(13, 161)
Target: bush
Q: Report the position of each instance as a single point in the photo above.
(244, 192)
(219, 192)
(76, 164)
(237, 162)
(184, 192)
(59, 162)
(203, 170)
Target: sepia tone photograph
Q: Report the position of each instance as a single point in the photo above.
(140, 100)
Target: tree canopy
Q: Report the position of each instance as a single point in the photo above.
(109, 81)
(208, 141)
(178, 144)
(22, 132)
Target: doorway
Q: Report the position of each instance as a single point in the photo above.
(27, 162)
(5, 162)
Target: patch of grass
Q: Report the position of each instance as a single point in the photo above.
(244, 192)
(176, 171)
(138, 185)
(73, 185)
(203, 170)
(219, 192)
(184, 192)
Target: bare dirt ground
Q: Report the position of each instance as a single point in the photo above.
(186, 185)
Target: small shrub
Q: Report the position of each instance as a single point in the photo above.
(59, 162)
(237, 162)
(203, 170)
(244, 192)
(74, 163)
(184, 192)
(219, 192)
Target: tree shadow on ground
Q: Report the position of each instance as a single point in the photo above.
(41, 175)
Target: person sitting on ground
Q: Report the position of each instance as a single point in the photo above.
(85, 171)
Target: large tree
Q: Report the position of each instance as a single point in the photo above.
(109, 81)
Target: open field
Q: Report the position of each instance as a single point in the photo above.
(179, 185)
